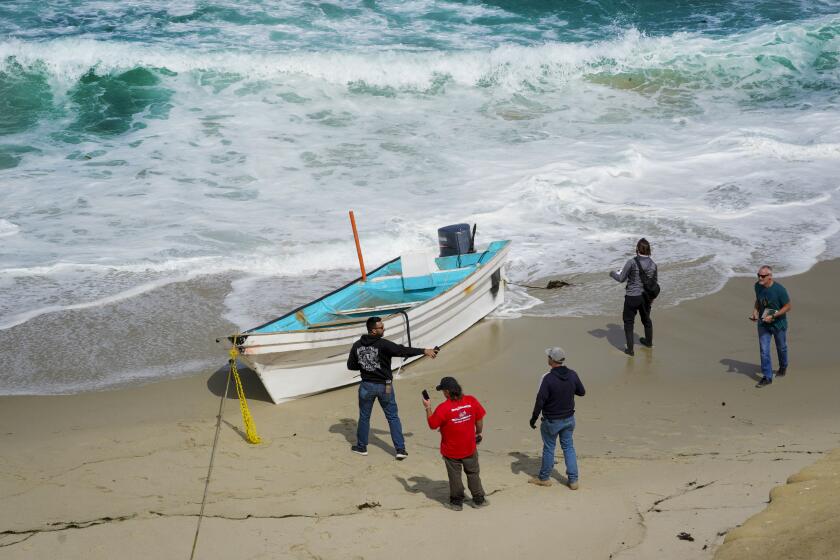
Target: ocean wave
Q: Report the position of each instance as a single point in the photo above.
(23, 317)
(769, 58)
(62, 268)
(44, 385)
(301, 25)
(80, 286)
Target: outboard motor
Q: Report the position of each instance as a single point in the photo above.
(455, 240)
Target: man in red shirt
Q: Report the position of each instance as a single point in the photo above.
(460, 419)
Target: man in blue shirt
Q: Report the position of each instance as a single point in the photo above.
(770, 312)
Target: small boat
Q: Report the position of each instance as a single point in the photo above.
(423, 300)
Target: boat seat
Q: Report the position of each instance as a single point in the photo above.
(339, 322)
(391, 307)
(417, 269)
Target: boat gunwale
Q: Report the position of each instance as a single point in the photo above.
(477, 269)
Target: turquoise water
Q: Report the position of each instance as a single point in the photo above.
(149, 147)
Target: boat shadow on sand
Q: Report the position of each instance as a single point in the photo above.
(251, 384)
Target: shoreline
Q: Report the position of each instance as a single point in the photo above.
(39, 340)
(674, 440)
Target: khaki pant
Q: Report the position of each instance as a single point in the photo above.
(456, 486)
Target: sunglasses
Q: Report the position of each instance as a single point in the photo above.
(763, 276)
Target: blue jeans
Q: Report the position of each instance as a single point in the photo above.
(369, 392)
(564, 428)
(764, 336)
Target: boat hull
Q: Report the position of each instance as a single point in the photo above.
(299, 363)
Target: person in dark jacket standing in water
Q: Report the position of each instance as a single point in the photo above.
(556, 402)
(371, 355)
(635, 299)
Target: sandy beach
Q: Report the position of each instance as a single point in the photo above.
(675, 440)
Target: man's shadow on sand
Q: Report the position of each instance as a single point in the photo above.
(347, 428)
(753, 371)
(614, 335)
(524, 464)
(435, 490)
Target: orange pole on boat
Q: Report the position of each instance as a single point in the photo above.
(358, 246)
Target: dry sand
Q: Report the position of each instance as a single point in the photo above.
(674, 440)
(800, 523)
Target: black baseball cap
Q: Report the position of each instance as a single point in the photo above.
(448, 384)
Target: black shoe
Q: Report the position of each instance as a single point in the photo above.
(359, 449)
(782, 371)
(455, 506)
(480, 502)
(644, 342)
(764, 382)
(629, 351)
(401, 454)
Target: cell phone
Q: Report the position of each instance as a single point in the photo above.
(426, 394)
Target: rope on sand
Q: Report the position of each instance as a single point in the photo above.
(250, 430)
(212, 457)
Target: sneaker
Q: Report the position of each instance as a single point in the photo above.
(359, 449)
(644, 342)
(401, 454)
(539, 481)
(629, 351)
(455, 506)
(782, 371)
(574, 485)
(480, 502)
(764, 382)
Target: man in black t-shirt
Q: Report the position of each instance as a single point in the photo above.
(371, 355)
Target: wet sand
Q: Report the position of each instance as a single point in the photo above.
(675, 440)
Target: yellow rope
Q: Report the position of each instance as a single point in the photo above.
(250, 428)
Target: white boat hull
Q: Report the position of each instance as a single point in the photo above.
(299, 363)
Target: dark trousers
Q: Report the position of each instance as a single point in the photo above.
(632, 304)
(456, 486)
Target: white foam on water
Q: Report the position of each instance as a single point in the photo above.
(7, 228)
(517, 301)
(792, 152)
(137, 290)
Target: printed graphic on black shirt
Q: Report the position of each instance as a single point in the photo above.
(368, 357)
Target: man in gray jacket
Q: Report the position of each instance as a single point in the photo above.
(634, 296)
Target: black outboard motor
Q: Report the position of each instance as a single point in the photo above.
(455, 240)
